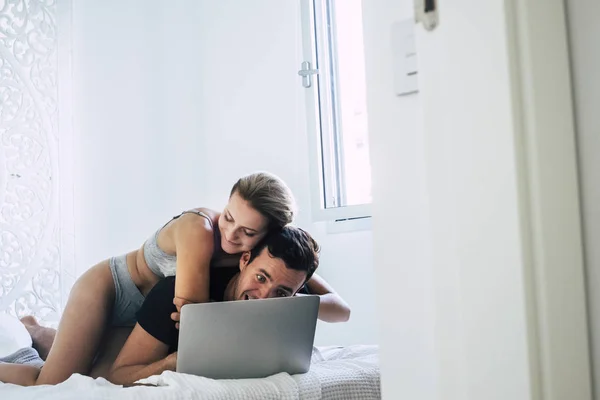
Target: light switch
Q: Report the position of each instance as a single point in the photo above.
(404, 57)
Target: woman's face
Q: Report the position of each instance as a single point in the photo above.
(241, 226)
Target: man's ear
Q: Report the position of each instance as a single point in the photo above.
(245, 260)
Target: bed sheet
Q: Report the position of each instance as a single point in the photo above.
(349, 373)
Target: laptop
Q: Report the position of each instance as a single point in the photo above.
(247, 339)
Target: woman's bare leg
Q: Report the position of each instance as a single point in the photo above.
(26, 375)
(42, 337)
(19, 374)
(81, 326)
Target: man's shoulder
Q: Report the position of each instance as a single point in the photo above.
(155, 314)
(158, 304)
(164, 288)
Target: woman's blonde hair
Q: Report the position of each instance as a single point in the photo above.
(269, 195)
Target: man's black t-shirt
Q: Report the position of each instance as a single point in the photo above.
(155, 314)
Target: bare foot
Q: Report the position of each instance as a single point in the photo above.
(41, 336)
(29, 320)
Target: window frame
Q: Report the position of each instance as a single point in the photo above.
(322, 135)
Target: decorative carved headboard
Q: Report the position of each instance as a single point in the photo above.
(36, 185)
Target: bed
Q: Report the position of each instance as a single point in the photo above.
(348, 373)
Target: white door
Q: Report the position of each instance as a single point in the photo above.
(504, 289)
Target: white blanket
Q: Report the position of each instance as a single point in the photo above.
(336, 373)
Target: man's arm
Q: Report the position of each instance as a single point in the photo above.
(146, 351)
(332, 307)
(141, 357)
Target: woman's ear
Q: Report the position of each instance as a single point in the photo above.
(245, 260)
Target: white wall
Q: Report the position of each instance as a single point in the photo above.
(584, 34)
(124, 160)
(173, 103)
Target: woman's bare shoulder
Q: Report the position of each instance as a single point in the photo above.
(212, 214)
(191, 223)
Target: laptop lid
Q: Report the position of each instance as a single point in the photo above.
(247, 339)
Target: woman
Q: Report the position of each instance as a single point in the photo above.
(111, 292)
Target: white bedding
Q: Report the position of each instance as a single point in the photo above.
(347, 373)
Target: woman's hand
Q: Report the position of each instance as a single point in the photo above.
(194, 245)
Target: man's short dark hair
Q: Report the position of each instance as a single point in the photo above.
(298, 250)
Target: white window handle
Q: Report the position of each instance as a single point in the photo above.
(306, 73)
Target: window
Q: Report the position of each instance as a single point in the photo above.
(333, 75)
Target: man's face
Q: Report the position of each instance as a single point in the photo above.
(266, 277)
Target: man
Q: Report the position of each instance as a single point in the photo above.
(279, 266)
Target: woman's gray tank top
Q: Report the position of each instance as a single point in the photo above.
(159, 262)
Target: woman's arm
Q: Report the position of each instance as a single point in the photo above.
(332, 308)
(194, 245)
(141, 357)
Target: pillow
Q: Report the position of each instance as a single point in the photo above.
(13, 335)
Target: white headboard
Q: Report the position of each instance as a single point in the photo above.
(36, 185)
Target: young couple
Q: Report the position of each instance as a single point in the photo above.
(248, 251)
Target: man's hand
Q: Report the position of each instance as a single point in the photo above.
(179, 302)
(172, 361)
(142, 356)
(175, 317)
